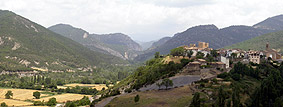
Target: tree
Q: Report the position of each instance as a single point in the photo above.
(51, 102)
(159, 85)
(196, 100)
(36, 94)
(221, 97)
(4, 104)
(9, 94)
(177, 51)
(236, 97)
(38, 103)
(137, 98)
(48, 80)
(209, 58)
(214, 53)
(200, 55)
(190, 53)
(157, 55)
(167, 82)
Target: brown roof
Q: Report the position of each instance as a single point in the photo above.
(219, 63)
(195, 62)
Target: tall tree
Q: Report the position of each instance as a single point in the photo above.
(157, 55)
(177, 51)
(196, 100)
(236, 97)
(167, 82)
(137, 98)
(221, 97)
(36, 94)
(9, 94)
(52, 101)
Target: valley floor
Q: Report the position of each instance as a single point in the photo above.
(24, 97)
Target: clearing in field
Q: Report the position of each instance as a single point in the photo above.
(97, 86)
(177, 97)
(64, 97)
(11, 102)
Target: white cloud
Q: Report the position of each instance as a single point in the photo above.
(144, 19)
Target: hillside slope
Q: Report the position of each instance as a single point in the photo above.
(116, 44)
(274, 39)
(25, 44)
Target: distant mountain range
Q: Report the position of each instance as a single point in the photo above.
(116, 44)
(274, 39)
(25, 45)
(217, 38)
(145, 45)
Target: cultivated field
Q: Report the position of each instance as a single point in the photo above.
(11, 102)
(19, 94)
(97, 86)
(64, 97)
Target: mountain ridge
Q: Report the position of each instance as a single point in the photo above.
(116, 44)
(25, 44)
(217, 38)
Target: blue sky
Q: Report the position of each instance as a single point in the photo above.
(144, 20)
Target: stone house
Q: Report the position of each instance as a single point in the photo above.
(219, 65)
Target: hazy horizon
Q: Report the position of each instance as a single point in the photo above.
(144, 20)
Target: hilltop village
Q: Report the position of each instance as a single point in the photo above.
(205, 58)
(216, 78)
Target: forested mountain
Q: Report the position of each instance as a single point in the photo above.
(217, 38)
(274, 39)
(272, 23)
(116, 44)
(25, 45)
(159, 42)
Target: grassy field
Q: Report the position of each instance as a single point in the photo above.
(64, 97)
(178, 97)
(97, 86)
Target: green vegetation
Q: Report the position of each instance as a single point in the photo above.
(137, 98)
(258, 43)
(250, 85)
(196, 100)
(51, 102)
(167, 82)
(9, 94)
(4, 104)
(84, 101)
(177, 51)
(36, 94)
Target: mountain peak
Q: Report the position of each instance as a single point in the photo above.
(272, 23)
(208, 27)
